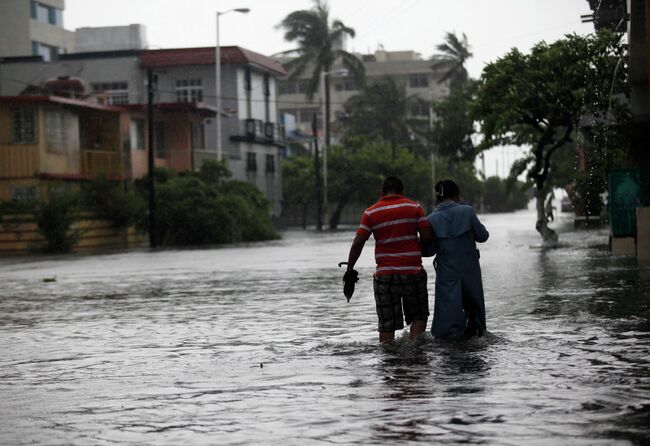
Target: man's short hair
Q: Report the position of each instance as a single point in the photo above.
(392, 184)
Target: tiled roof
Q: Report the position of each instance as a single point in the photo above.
(206, 56)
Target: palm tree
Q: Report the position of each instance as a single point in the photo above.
(450, 61)
(383, 109)
(319, 47)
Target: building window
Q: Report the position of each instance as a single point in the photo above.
(270, 163)
(24, 130)
(251, 162)
(116, 92)
(189, 90)
(23, 193)
(55, 131)
(419, 80)
(46, 51)
(137, 134)
(198, 136)
(47, 14)
(159, 139)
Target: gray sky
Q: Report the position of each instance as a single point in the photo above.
(492, 26)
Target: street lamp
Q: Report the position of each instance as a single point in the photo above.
(218, 79)
(341, 72)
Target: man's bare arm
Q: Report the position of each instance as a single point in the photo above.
(355, 250)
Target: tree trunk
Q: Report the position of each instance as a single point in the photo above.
(549, 236)
(335, 218)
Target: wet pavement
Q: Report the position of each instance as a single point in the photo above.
(256, 345)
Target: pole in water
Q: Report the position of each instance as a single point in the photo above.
(319, 195)
(151, 86)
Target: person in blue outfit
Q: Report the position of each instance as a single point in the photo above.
(459, 309)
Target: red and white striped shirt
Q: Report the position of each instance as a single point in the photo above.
(394, 221)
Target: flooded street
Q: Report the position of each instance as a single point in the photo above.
(257, 345)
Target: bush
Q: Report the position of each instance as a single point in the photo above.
(54, 217)
(107, 200)
(205, 208)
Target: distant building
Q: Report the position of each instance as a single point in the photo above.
(30, 27)
(406, 67)
(49, 140)
(252, 137)
(110, 38)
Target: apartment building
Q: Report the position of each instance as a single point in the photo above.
(252, 138)
(34, 27)
(406, 67)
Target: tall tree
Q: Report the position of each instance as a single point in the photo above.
(454, 124)
(537, 100)
(383, 108)
(451, 58)
(319, 47)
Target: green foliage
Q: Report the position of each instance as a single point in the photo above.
(538, 99)
(356, 172)
(382, 109)
(55, 216)
(214, 172)
(204, 208)
(453, 128)
(451, 57)
(318, 45)
(498, 197)
(108, 200)
(298, 185)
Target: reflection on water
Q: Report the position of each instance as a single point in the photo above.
(256, 344)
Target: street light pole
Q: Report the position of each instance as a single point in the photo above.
(326, 125)
(217, 85)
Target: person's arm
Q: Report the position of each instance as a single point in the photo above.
(480, 233)
(355, 250)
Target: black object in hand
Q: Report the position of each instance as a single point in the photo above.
(350, 277)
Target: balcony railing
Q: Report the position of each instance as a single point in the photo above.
(18, 160)
(95, 162)
(256, 130)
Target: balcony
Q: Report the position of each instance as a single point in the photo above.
(18, 160)
(96, 162)
(260, 132)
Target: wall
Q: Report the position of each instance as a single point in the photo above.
(110, 38)
(14, 28)
(18, 234)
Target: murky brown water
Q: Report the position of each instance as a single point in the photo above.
(256, 345)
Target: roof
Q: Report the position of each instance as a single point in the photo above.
(59, 100)
(206, 56)
(200, 107)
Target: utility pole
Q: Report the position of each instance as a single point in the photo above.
(319, 195)
(151, 89)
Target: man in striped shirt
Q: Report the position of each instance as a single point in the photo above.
(400, 282)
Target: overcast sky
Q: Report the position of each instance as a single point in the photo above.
(492, 26)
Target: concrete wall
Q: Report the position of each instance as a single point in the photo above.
(18, 29)
(110, 38)
(19, 234)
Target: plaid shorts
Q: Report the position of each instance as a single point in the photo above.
(396, 291)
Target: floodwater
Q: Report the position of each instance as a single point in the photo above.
(257, 345)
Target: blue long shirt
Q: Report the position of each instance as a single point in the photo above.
(459, 302)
